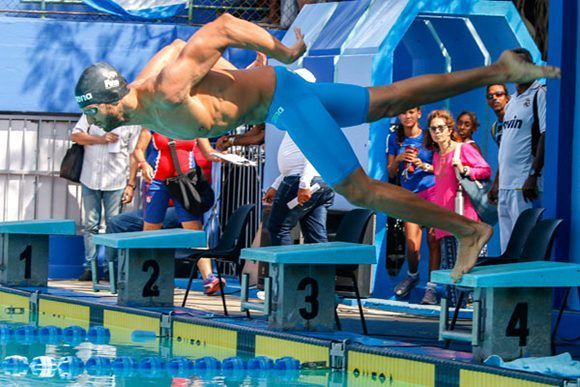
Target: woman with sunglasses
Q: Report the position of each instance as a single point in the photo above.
(404, 152)
(470, 163)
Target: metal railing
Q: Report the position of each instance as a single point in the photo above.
(30, 187)
(239, 185)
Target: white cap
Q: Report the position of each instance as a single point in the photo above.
(306, 75)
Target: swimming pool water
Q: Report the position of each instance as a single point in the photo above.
(48, 355)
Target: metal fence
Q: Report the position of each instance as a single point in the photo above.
(268, 13)
(239, 185)
(30, 187)
(33, 148)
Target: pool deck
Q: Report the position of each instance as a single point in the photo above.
(401, 347)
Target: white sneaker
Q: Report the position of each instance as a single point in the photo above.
(261, 295)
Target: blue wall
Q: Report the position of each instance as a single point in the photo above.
(562, 167)
(44, 58)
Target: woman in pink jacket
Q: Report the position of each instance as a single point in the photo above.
(446, 167)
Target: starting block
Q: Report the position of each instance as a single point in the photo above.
(147, 263)
(512, 307)
(299, 292)
(24, 250)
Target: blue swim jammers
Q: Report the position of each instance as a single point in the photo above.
(313, 114)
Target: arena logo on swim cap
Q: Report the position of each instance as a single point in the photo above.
(84, 98)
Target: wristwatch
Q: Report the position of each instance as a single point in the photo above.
(535, 173)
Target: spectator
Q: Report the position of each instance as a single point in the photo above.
(497, 99)
(133, 220)
(103, 179)
(273, 16)
(405, 153)
(521, 154)
(158, 197)
(467, 124)
(470, 164)
(296, 180)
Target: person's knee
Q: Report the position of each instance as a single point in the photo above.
(413, 246)
(356, 190)
(114, 225)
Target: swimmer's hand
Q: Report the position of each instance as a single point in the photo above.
(260, 61)
(297, 50)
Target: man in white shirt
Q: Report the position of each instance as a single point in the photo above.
(521, 154)
(103, 178)
(297, 179)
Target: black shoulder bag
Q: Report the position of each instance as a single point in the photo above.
(72, 163)
(191, 189)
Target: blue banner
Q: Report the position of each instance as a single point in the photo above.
(139, 9)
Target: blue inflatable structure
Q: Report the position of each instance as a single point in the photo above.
(372, 43)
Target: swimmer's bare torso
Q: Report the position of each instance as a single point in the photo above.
(221, 101)
(187, 90)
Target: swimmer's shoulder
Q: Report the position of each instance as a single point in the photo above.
(150, 94)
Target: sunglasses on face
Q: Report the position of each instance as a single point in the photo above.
(438, 128)
(91, 111)
(496, 94)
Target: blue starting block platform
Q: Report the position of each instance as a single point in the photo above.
(299, 292)
(39, 227)
(24, 250)
(512, 306)
(147, 263)
(536, 274)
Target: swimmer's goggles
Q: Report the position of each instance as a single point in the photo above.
(91, 111)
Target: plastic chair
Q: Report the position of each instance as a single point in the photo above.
(227, 250)
(539, 243)
(524, 224)
(352, 229)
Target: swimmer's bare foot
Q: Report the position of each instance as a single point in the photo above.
(469, 249)
(518, 71)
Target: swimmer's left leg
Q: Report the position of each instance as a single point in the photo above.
(363, 191)
(320, 138)
(390, 100)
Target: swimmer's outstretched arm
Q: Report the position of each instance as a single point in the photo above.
(169, 54)
(204, 49)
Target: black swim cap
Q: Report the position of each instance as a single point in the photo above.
(100, 83)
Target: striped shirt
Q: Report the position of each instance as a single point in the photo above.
(106, 166)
